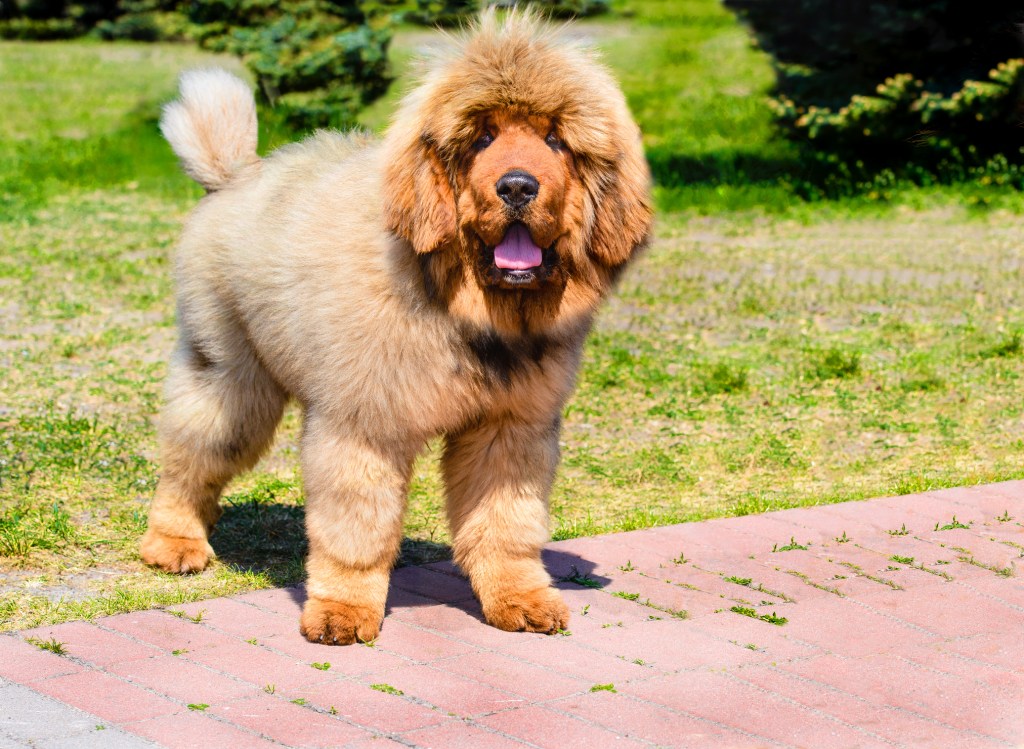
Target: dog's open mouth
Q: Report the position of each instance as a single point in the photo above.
(517, 262)
(517, 250)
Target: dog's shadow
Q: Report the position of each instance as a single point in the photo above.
(269, 539)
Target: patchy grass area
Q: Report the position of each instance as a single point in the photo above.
(763, 353)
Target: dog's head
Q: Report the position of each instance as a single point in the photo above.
(515, 170)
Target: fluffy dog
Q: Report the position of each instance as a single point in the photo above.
(440, 282)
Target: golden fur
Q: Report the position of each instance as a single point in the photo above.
(360, 277)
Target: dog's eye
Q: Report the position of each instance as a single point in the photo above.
(553, 141)
(483, 141)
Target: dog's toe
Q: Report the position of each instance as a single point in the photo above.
(172, 554)
(337, 623)
(535, 611)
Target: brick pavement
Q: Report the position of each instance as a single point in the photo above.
(816, 627)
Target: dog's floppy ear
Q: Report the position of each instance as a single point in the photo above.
(622, 207)
(418, 201)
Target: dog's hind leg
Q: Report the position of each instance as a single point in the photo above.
(355, 499)
(498, 476)
(218, 420)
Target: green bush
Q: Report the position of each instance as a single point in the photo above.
(896, 81)
(51, 19)
(317, 62)
(572, 8)
(455, 12)
(39, 29)
(442, 12)
(146, 21)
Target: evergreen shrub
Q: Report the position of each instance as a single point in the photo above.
(891, 82)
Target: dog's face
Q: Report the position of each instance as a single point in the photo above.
(516, 173)
(514, 181)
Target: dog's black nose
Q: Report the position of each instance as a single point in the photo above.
(517, 188)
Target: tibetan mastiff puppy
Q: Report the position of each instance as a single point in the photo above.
(440, 281)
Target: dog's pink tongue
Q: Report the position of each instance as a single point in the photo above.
(517, 250)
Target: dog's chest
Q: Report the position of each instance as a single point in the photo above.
(526, 378)
(500, 363)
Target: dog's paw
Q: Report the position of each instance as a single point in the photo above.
(172, 554)
(336, 623)
(534, 611)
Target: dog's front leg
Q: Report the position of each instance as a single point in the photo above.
(498, 476)
(355, 499)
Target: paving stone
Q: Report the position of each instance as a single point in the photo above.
(516, 676)
(461, 735)
(938, 657)
(376, 742)
(241, 619)
(657, 596)
(1005, 651)
(288, 723)
(924, 662)
(553, 730)
(258, 666)
(593, 557)
(708, 579)
(457, 622)
(601, 608)
(166, 631)
(449, 692)
(105, 696)
(740, 706)
(645, 721)
(888, 679)
(859, 630)
(192, 729)
(105, 738)
(366, 707)
(400, 599)
(432, 584)
(879, 723)
(28, 718)
(950, 609)
(419, 644)
(181, 680)
(283, 601)
(868, 518)
(87, 642)
(669, 647)
(575, 659)
(22, 662)
(351, 660)
(990, 499)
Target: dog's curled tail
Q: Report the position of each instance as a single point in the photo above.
(212, 126)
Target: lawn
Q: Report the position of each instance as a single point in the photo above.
(765, 352)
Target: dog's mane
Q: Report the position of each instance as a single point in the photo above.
(520, 63)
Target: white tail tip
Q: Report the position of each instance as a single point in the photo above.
(212, 126)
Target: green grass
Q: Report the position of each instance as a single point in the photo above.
(766, 352)
(771, 618)
(952, 525)
(52, 645)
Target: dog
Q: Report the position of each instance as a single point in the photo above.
(440, 281)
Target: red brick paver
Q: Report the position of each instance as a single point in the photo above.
(886, 630)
